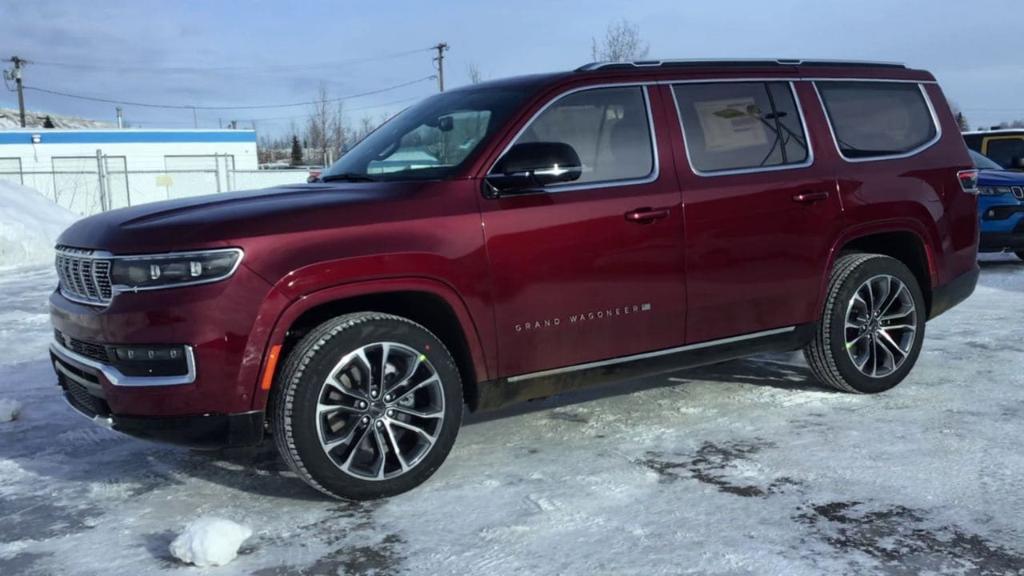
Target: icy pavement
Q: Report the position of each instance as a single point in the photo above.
(741, 468)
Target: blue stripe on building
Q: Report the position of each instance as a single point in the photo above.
(126, 136)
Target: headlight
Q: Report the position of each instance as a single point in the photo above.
(151, 272)
(994, 190)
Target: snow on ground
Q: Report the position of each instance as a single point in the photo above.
(746, 467)
(29, 225)
(209, 541)
(9, 409)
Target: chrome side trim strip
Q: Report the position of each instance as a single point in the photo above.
(117, 378)
(569, 187)
(642, 356)
(907, 154)
(809, 161)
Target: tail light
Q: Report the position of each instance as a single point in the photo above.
(968, 181)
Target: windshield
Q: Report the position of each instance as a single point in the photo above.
(429, 140)
(983, 162)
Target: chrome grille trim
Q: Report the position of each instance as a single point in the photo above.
(84, 275)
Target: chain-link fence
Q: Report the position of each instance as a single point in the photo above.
(89, 185)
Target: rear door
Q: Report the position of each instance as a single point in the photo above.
(593, 269)
(761, 212)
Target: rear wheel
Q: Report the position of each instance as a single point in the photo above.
(369, 406)
(872, 327)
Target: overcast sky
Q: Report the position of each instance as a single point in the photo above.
(252, 53)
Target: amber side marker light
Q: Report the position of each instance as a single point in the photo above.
(271, 367)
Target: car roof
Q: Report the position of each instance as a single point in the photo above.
(732, 68)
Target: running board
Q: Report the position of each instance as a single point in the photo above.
(500, 393)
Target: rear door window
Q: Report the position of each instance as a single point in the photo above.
(741, 126)
(878, 119)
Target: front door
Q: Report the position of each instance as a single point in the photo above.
(593, 269)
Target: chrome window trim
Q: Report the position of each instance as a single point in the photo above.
(570, 187)
(645, 355)
(117, 378)
(901, 155)
(809, 161)
(785, 78)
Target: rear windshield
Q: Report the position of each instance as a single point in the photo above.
(875, 119)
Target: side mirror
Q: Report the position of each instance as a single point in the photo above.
(533, 165)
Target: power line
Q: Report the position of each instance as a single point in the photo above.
(206, 107)
(199, 69)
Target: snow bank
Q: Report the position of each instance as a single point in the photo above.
(9, 410)
(29, 225)
(209, 542)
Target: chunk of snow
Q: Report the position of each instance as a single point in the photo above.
(9, 409)
(210, 542)
(29, 225)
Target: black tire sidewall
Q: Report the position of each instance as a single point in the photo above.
(849, 372)
(308, 375)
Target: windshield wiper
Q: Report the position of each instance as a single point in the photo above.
(347, 177)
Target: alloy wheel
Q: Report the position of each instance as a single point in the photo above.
(880, 327)
(380, 411)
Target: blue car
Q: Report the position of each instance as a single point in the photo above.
(1000, 207)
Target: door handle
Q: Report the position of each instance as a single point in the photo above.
(809, 197)
(646, 215)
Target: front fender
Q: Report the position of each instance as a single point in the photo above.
(285, 305)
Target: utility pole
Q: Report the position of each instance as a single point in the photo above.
(16, 76)
(195, 118)
(120, 118)
(441, 49)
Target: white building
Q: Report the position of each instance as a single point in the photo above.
(92, 170)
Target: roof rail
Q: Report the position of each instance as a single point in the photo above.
(732, 62)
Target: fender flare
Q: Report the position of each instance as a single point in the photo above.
(292, 309)
(904, 225)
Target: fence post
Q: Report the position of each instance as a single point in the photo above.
(101, 174)
(216, 162)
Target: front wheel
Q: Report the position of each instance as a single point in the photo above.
(369, 406)
(872, 327)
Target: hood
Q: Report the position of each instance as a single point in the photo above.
(217, 219)
(1000, 178)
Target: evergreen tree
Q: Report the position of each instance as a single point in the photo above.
(961, 121)
(48, 122)
(296, 152)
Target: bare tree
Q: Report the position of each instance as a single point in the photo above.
(326, 131)
(621, 43)
(475, 76)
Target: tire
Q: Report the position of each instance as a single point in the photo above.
(840, 355)
(342, 437)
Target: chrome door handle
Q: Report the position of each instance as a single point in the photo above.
(646, 215)
(808, 197)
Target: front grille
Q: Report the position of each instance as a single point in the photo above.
(84, 276)
(1018, 192)
(88, 349)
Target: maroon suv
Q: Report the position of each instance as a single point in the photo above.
(521, 238)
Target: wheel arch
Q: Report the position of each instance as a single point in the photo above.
(902, 241)
(428, 303)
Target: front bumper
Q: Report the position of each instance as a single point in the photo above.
(80, 380)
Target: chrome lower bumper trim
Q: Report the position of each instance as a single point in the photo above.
(116, 378)
(102, 421)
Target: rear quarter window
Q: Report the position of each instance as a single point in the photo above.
(878, 119)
